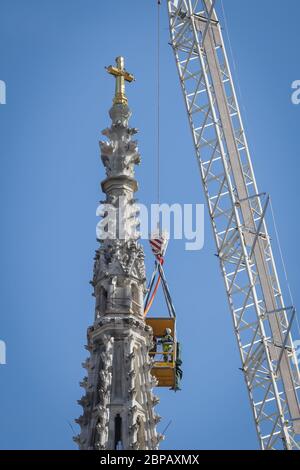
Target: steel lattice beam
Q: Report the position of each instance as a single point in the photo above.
(262, 321)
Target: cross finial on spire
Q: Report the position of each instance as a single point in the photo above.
(121, 75)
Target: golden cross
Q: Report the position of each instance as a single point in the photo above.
(121, 75)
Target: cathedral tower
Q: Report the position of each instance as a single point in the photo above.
(118, 404)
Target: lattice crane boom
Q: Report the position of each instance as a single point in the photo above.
(262, 321)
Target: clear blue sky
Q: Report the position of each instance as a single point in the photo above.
(53, 54)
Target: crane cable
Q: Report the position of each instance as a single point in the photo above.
(283, 262)
(150, 302)
(237, 79)
(158, 103)
(246, 120)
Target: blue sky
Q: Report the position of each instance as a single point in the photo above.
(53, 55)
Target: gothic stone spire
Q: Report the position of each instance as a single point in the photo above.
(118, 405)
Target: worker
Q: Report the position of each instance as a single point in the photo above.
(167, 342)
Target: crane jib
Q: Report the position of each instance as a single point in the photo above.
(238, 215)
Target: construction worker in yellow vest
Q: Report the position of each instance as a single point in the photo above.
(167, 342)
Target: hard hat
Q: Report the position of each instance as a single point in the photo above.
(168, 331)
